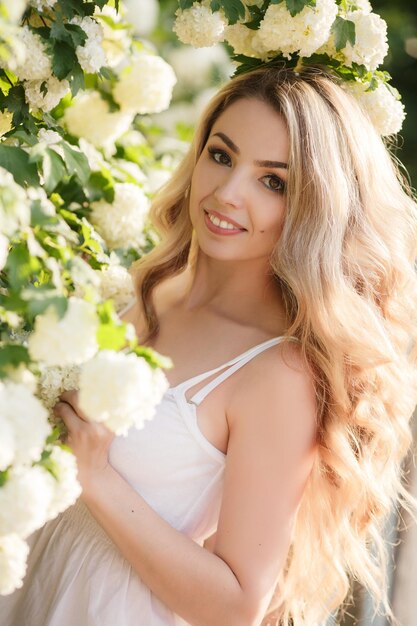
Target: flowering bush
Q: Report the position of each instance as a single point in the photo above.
(74, 197)
(343, 35)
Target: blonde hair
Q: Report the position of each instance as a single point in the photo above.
(345, 266)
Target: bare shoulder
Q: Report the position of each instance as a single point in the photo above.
(277, 385)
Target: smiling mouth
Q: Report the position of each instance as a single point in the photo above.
(226, 225)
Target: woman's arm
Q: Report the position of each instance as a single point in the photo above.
(272, 425)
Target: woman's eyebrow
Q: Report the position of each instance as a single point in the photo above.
(235, 149)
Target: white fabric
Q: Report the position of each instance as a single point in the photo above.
(76, 575)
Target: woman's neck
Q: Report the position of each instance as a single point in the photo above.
(238, 289)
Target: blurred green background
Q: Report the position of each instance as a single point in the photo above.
(401, 63)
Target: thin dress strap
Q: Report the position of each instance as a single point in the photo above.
(232, 365)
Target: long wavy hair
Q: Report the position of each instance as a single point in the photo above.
(345, 265)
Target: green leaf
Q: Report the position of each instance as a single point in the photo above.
(17, 161)
(15, 103)
(72, 34)
(4, 475)
(11, 356)
(76, 78)
(343, 31)
(76, 162)
(185, 4)
(70, 8)
(100, 185)
(63, 59)
(42, 297)
(111, 337)
(233, 9)
(21, 266)
(296, 6)
(152, 357)
(53, 169)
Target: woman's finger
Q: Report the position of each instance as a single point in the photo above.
(72, 398)
(68, 416)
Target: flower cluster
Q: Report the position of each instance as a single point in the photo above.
(120, 390)
(52, 340)
(90, 55)
(41, 480)
(346, 37)
(121, 223)
(60, 278)
(146, 85)
(117, 389)
(199, 26)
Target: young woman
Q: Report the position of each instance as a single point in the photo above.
(284, 291)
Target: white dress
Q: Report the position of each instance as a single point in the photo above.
(76, 575)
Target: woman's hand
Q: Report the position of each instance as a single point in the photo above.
(89, 441)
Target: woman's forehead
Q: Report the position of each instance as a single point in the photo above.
(253, 124)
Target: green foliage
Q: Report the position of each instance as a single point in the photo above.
(17, 162)
(293, 6)
(12, 355)
(111, 333)
(233, 9)
(344, 31)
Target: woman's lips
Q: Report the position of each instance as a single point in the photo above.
(218, 230)
(225, 218)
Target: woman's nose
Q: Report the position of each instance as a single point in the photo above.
(230, 189)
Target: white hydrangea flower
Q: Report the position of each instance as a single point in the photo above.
(304, 33)
(157, 176)
(385, 111)
(119, 390)
(146, 86)
(123, 166)
(5, 122)
(55, 91)
(66, 488)
(14, 9)
(7, 443)
(42, 4)
(21, 374)
(199, 26)
(70, 340)
(4, 250)
(24, 500)
(143, 15)
(361, 5)
(244, 40)
(121, 223)
(14, 205)
(371, 45)
(91, 55)
(95, 158)
(13, 556)
(116, 284)
(37, 63)
(193, 67)
(116, 41)
(50, 137)
(85, 278)
(28, 419)
(54, 381)
(107, 127)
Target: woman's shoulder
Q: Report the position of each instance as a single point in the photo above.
(278, 383)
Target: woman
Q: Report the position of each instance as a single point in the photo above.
(287, 240)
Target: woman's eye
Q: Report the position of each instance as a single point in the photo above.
(219, 156)
(274, 183)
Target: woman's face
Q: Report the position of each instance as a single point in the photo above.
(237, 196)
